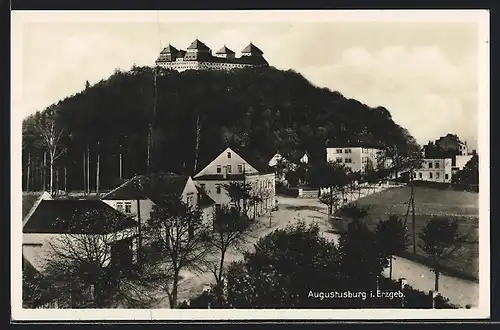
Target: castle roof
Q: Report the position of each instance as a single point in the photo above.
(198, 45)
(252, 49)
(169, 50)
(181, 53)
(224, 50)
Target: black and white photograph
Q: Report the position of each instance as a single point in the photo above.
(250, 165)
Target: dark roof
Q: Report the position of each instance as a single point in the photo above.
(169, 50)
(224, 50)
(77, 217)
(205, 200)
(29, 201)
(198, 45)
(153, 186)
(181, 53)
(252, 49)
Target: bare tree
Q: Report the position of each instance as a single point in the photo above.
(81, 267)
(51, 134)
(240, 194)
(178, 239)
(440, 239)
(231, 230)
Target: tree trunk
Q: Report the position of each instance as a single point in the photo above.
(84, 173)
(173, 295)
(197, 145)
(28, 173)
(51, 184)
(219, 280)
(139, 229)
(121, 166)
(57, 180)
(88, 169)
(44, 177)
(390, 267)
(98, 170)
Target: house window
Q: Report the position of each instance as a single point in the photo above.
(430, 164)
(339, 159)
(420, 175)
(430, 175)
(229, 170)
(218, 189)
(446, 176)
(339, 151)
(119, 206)
(348, 160)
(128, 207)
(190, 199)
(414, 175)
(219, 169)
(437, 175)
(228, 154)
(347, 151)
(436, 165)
(240, 168)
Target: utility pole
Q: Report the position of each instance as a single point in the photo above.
(44, 177)
(413, 217)
(65, 179)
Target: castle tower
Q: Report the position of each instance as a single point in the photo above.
(168, 54)
(225, 52)
(197, 51)
(251, 50)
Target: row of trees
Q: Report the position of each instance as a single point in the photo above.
(175, 239)
(297, 267)
(126, 124)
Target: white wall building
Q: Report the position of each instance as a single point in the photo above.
(434, 170)
(228, 167)
(358, 159)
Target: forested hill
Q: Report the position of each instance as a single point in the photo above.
(263, 109)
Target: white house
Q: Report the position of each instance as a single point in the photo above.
(230, 166)
(357, 158)
(435, 170)
(142, 192)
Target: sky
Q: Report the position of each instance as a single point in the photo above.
(422, 68)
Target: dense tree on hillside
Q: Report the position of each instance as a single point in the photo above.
(196, 113)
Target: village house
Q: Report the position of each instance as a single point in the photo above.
(236, 166)
(356, 158)
(53, 227)
(137, 196)
(434, 170)
(281, 165)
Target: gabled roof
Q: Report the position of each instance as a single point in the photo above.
(76, 217)
(181, 53)
(252, 49)
(153, 186)
(170, 50)
(30, 201)
(205, 200)
(198, 45)
(224, 50)
(259, 163)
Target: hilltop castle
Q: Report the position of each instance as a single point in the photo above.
(199, 57)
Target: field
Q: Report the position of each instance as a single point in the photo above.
(460, 205)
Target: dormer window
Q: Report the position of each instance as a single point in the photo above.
(228, 154)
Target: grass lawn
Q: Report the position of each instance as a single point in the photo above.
(460, 205)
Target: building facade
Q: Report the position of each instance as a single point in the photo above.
(137, 196)
(434, 170)
(228, 167)
(199, 56)
(358, 159)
